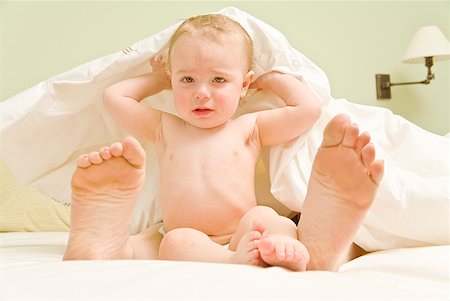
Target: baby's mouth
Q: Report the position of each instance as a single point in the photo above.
(202, 111)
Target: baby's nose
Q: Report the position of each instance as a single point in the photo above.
(202, 93)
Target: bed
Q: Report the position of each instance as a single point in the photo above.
(406, 231)
(31, 269)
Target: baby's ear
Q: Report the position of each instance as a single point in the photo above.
(248, 78)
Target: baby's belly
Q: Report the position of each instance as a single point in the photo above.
(205, 189)
(211, 214)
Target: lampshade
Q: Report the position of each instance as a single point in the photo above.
(428, 41)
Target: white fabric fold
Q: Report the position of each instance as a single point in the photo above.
(44, 129)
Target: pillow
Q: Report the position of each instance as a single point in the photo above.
(25, 209)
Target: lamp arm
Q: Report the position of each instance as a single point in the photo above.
(430, 75)
(425, 82)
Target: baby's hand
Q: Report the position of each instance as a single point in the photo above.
(157, 62)
(263, 81)
(159, 67)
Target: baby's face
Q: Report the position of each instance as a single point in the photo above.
(208, 78)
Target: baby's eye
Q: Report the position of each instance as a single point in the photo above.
(187, 79)
(219, 79)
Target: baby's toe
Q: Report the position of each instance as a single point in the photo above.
(280, 252)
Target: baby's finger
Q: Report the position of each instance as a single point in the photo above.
(157, 62)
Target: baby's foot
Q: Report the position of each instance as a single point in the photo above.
(283, 251)
(343, 184)
(247, 250)
(104, 190)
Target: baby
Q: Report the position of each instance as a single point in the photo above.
(207, 158)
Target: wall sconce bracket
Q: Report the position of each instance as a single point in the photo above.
(383, 83)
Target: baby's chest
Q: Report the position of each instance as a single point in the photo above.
(228, 148)
(207, 153)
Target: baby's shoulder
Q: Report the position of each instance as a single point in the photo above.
(248, 119)
(170, 124)
(170, 119)
(246, 125)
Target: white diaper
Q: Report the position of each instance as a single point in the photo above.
(162, 230)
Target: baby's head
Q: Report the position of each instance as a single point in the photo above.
(210, 58)
(215, 27)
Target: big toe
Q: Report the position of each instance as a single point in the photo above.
(266, 247)
(133, 152)
(335, 130)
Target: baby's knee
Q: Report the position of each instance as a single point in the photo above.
(174, 242)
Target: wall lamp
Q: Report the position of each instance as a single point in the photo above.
(428, 45)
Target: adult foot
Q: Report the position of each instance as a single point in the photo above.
(104, 190)
(283, 251)
(344, 181)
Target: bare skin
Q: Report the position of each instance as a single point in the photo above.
(343, 184)
(188, 244)
(277, 250)
(280, 250)
(247, 251)
(262, 238)
(104, 191)
(104, 188)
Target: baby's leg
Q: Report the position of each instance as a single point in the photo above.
(188, 244)
(343, 184)
(279, 245)
(104, 190)
(146, 243)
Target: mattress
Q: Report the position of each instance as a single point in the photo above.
(31, 268)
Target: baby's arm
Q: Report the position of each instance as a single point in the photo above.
(122, 100)
(284, 124)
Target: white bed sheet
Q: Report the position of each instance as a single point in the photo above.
(31, 269)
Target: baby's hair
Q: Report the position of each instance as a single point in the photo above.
(213, 26)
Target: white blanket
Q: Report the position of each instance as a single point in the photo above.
(31, 269)
(44, 129)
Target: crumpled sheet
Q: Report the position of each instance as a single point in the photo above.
(43, 130)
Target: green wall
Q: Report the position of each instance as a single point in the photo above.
(350, 40)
